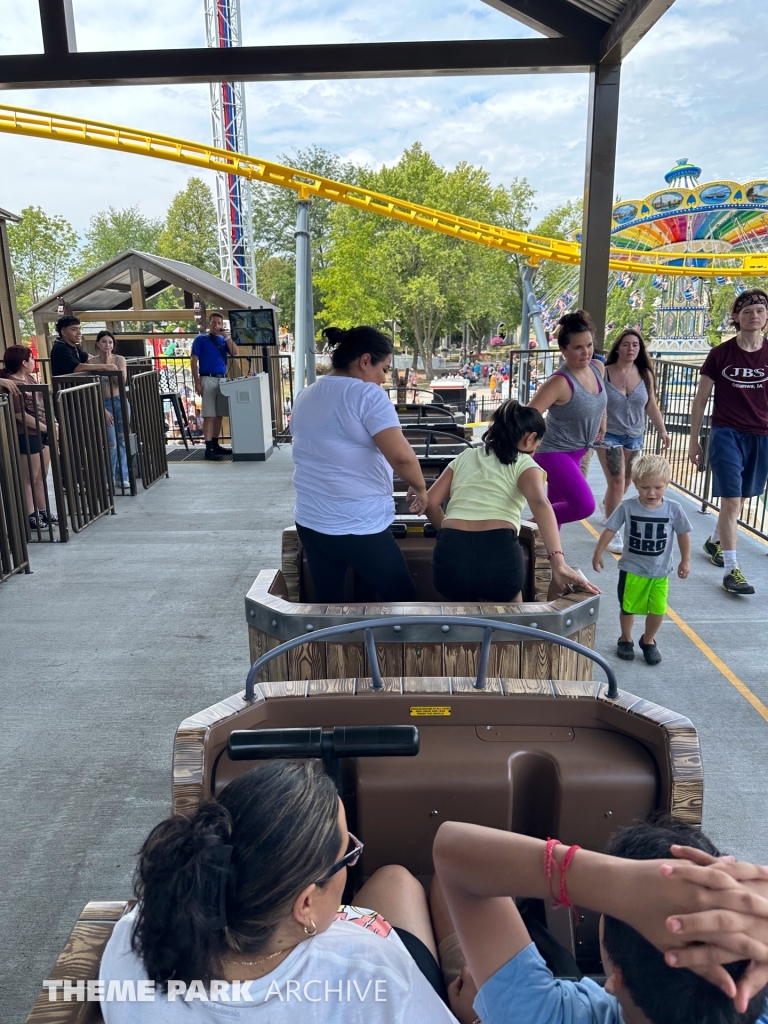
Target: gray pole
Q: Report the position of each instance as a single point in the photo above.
(524, 369)
(302, 340)
(309, 351)
(602, 128)
(534, 312)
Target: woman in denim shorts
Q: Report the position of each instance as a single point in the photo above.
(631, 397)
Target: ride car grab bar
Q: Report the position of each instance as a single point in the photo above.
(489, 626)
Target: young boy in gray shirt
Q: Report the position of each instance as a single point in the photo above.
(651, 522)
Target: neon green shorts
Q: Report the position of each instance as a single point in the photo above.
(641, 595)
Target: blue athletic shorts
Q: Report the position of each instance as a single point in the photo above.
(632, 444)
(739, 463)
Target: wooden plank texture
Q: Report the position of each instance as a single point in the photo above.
(307, 662)
(290, 562)
(423, 659)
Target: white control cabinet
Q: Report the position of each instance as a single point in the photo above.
(250, 417)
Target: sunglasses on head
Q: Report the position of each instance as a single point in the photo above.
(350, 858)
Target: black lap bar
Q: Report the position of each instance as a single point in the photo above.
(341, 741)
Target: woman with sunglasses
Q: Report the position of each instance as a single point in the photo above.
(239, 908)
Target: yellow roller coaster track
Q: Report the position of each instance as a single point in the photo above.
(44, 125)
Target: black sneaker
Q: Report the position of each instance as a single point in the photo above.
(33, 521)
(714, 549)
(735, 583)
(625, 649)
(211, 455)
(45, 519)
(650, 652)
(221, 451)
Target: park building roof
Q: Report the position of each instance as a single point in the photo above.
(129, 280)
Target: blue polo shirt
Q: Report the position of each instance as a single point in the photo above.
(212, 353)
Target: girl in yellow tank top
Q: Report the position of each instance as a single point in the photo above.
(477, 555)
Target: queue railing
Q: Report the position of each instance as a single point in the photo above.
(148, 419)
(39, 458)
(676, 385)
(122, 439)
(83, 450)
(14, 524)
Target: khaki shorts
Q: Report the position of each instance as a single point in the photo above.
(214, 403)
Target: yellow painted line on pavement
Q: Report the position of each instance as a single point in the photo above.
(705, 649)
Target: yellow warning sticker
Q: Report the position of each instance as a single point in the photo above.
(432, 711)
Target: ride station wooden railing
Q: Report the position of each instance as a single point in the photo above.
(13, 517)
(147, 414)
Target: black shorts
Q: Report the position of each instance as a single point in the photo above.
(483, 566)
(426, 963)
(36, 443)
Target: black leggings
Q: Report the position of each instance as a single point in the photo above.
(374, 556)
(483, 566)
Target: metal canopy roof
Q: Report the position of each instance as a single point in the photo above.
(109, 286)
(582, 34)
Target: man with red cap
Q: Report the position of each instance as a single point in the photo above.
(737, 370)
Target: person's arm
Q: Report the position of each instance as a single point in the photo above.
(231, 346)
(531, 487)
(554, 391)
(602, 543)
(653, 412)
(9, 385)
(481, 868)
(684, 543)
(393, 445)
(194, 363)
(704, 390)
(436, 495)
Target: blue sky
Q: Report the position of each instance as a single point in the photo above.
(694, 87)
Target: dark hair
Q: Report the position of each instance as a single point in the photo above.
(105, 334)
(668, 995)
(511, 421)
(65, 321)
(213, 313)
(741, 301)
(642, 362)
(573, 323)
(14, 357)
(355, 342)
(281, 822)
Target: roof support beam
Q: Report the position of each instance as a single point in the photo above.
(278, 63)
(602, 128)
(57, 21)
(629, 28)
(555, 18)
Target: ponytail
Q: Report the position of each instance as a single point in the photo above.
(578, 322)
(349, 345)
(509, 424)
(224, 880)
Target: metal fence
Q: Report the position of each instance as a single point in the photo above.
(676, 386)
(182, 406)
(14, 526)
(83, 450)
(147, 415)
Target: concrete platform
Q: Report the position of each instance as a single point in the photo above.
(148, 606)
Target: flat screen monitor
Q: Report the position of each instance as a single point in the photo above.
(252, 327)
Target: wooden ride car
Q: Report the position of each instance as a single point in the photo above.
(281, 605)
(573, 759)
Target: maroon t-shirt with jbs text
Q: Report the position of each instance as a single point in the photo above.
(741, 387)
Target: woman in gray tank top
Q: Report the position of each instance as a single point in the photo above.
(574, 400)
(629, 386)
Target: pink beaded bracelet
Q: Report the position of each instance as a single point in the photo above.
(553, 553)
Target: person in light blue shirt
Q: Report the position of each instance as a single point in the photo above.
(644, 900)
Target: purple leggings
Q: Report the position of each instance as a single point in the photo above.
(568, 491)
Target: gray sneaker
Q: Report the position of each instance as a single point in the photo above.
(735, 583)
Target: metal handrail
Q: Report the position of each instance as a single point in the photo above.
(431, 431)
(396, 622)
(436, 399)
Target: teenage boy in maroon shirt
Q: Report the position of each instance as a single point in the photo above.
(738, 447)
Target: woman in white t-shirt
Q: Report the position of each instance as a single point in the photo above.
(346, 441)
(238, 918)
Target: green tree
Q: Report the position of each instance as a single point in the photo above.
(190, 233)
(44, 251)
(380, 269)
(113, 231)
(276, 275)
